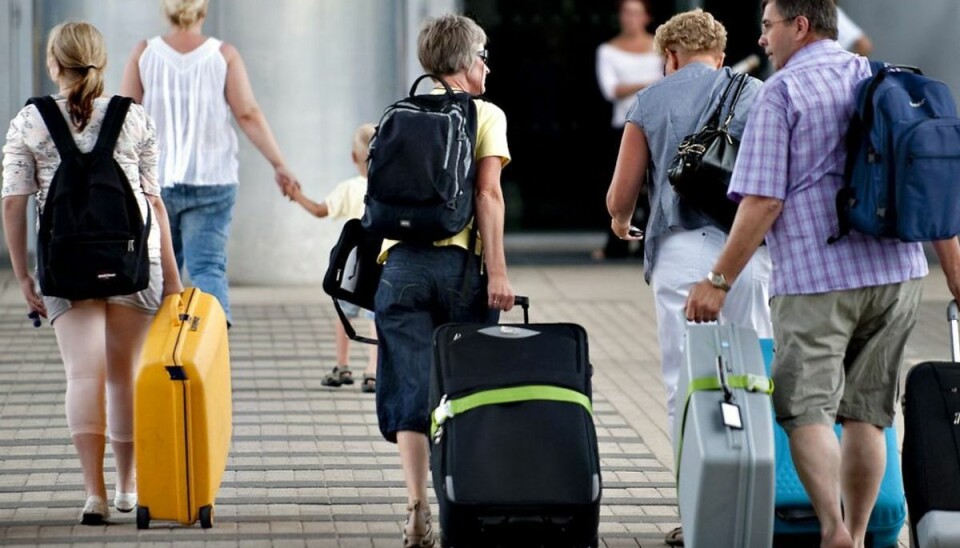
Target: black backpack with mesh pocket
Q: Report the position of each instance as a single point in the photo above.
(420, 181)
(92, 241)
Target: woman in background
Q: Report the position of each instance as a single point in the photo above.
(625, 65)
(191, 84)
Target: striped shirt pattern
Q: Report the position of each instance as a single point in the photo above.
(793, 149)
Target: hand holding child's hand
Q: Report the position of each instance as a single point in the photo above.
(293, 192)
(285, 180)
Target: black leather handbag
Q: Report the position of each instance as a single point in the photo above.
(700, 172)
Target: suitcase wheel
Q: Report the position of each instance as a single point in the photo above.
(143, 517)
(206, 516)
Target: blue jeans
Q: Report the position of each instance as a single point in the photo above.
(420, 289)
(200, 218)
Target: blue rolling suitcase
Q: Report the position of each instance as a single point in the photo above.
(795, 523)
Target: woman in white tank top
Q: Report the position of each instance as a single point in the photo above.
(625, 65)
(192, 85)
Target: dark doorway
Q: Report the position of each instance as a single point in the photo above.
(543, 76)
(542, 58)
(742, 21)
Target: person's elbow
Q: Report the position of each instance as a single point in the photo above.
(248, 115)
(863, 46)
(15, 207)
(763, 206)
(157, 203)
(489, 195)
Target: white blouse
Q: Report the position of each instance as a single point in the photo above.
(185, 95)
(30, 158)
(615, 67)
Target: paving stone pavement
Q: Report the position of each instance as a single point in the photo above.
(307, 466)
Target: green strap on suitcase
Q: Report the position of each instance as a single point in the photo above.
(451, 408)
(750, 383)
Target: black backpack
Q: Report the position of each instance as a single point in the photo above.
(92, 241)
(421, 167)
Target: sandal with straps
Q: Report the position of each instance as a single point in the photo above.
(369, 384)
(339, 375)
(674, 537)
(418, 529)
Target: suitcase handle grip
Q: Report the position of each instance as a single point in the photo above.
(175, 309)
(524, 303)
(952, 317)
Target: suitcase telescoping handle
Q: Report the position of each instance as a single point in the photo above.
(524, 303)
(954, 331)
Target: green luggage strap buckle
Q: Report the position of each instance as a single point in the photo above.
(451, 408)
(750, 383)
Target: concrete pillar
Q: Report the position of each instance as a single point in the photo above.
(16, 69)
(919, 34)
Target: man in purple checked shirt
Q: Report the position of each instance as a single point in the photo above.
(842, 312)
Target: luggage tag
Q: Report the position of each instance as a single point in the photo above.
(730, 412)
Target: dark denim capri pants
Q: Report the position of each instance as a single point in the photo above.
(420, 290)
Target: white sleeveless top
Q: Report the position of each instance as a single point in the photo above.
(616, 66)
(185, 95)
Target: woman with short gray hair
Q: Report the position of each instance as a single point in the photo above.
(422, 284)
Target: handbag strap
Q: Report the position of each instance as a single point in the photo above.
(714, 120)
(736, 98)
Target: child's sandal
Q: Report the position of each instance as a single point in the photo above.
(337, 377)
(369, 384)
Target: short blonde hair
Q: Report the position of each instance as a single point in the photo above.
(184, 13)
(449, 44)
(80, 53)
(693, 31)
(361, 141)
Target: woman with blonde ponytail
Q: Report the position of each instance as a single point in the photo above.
(192, 85)
(99, 339)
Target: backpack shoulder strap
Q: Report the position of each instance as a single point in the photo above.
(56, 125)
(112, 124)
(860, 126)
(416, 83)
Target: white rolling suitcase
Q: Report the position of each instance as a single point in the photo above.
(724, 440)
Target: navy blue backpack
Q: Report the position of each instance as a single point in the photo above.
(903, 159)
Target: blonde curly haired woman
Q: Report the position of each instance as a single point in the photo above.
(682, 243)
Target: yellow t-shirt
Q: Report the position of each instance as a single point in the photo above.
(345, 201)
(491, 141)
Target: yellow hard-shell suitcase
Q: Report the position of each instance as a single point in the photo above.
(182, 411)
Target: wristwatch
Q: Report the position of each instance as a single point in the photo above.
(718, 281)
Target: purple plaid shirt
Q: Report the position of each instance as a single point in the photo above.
(793, 149)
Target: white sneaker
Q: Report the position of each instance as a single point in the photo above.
(95, 511)
(125, 502)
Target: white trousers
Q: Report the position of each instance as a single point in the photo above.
(683, 260)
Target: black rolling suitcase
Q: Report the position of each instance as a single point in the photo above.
(931, 447)
(513, 445)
